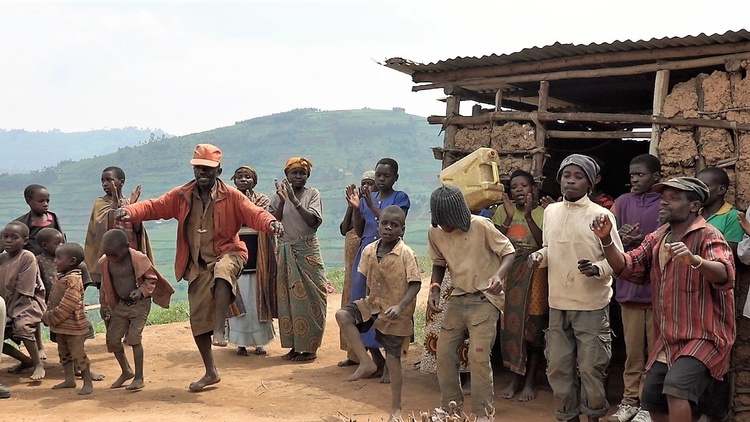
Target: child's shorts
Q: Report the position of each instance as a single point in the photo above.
(127, 320)
(393, 345)
(70, 348)
(687, 379)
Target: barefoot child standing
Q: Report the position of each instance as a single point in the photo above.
(23, 291)
(129, 281)
(66, 317)
(393, 281)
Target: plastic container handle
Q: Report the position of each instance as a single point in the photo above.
(495, 173)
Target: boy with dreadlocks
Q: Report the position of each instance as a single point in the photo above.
(479, 257)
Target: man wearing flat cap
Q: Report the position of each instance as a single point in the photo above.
(692, 273)
(210, 255)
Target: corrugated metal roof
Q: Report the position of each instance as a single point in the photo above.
(559, 50)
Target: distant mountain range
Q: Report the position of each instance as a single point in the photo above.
(37, 150)
(341, 145)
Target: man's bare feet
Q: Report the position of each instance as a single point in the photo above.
(121, 380)
(219, 340)
(242, 351)
(20, 367)
(289, 355)
(38, 373)
(364, 370)
(347, 362)
(528, 393)
(64, 384)
(511, 389)
(208, 379)
(87, 388)
(305, 357)
(137, 384)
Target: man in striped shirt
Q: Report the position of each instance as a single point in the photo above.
(692, 272)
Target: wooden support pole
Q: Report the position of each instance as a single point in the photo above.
(476, 109)
(498, 99)
(589, 117)
(590, 73)
(661, 88)
(537, 164)
(452, 109)
(701, 163)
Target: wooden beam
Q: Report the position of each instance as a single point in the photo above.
(661, 88)
(537, 163)
(588, 117)
(598, 59)
(589, 73)
(590, 134)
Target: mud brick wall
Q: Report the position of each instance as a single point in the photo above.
(513, 141)
(684, 150)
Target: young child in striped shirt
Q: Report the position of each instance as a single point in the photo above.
(66, 316)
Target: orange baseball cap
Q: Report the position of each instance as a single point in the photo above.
(206, 155)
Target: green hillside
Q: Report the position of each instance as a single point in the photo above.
(35, 150)
(341, 145)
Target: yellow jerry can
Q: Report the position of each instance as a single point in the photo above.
(478, 178)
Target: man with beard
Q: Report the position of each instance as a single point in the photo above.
(691, 269)
(209, 254)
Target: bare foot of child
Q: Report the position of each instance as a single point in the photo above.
(20, 367)
(509, 391)
(137, 384)
(219, 340)
(97, 377)
(87, 388)
(347, 362)
(242, 351)
(121, 380)
(38, 373)
(208, 379)
(364, 370)
(528, 393)
(260, 351)
(386, 378)
(64, 384)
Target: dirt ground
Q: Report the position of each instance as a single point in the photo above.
(252, 388)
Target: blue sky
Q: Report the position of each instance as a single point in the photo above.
(186, 67)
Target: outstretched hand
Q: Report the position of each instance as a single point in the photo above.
(601, 226)
(122, 214)
(546, 200)
(280, 190)
(508, 206)
(135, 194)
(352, 196)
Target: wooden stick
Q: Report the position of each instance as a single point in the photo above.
(452, 108)
(701, 163)
(588, 117)
(589, 73)
(537, 164)
(661, 89)
(598, 59)
(590, 134)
